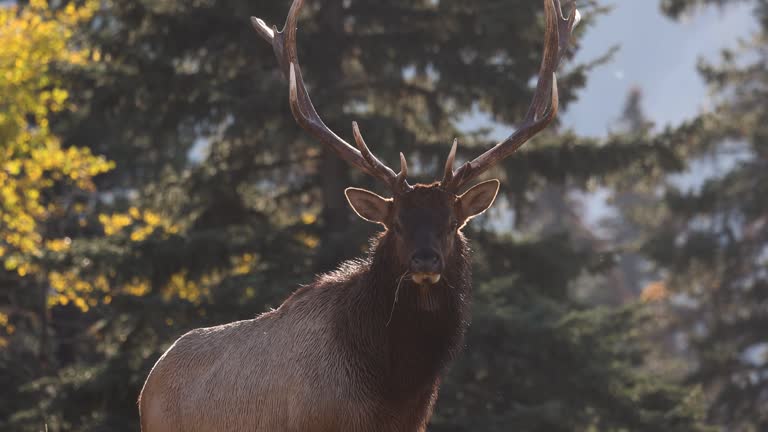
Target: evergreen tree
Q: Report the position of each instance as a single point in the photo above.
(634, 200)
(712, 244)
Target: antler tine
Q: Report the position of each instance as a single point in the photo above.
(397, 182)
(565, 25)
(401, 181)
(284, 45)
(545, 103)
(448, 173)
(267, 33)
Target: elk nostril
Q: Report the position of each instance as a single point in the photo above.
(426, 261)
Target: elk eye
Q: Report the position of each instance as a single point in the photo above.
(397, 228)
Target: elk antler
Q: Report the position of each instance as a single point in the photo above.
(543, 108)
(284, 45)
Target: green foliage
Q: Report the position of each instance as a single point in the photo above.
(711, 241)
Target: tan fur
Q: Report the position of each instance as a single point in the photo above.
(266, 374)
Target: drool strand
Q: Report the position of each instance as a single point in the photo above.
(397, 292)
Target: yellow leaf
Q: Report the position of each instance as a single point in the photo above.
(152, 219)
(308, 218)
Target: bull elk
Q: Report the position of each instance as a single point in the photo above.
(362, 348)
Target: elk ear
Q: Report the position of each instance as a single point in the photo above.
(477, 199)
(368, 205)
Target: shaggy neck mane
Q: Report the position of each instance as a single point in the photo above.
(404, 343)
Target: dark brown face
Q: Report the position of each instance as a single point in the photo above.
(424, 222)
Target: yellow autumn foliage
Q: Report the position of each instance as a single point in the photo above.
(142, 224)
(32, 159)
(86, 291)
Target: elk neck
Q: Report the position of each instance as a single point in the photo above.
(408, 342)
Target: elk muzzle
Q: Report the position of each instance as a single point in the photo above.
(426, 266)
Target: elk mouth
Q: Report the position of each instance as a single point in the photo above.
(426, 278)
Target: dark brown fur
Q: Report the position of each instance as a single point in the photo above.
(330, 358)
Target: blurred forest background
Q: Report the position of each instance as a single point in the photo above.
(152, 180)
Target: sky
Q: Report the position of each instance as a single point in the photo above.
(659, 56)
(656, 54)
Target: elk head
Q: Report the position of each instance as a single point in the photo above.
(423, 222)
(424, 219)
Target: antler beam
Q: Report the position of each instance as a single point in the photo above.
(544, 105)
(284, 45)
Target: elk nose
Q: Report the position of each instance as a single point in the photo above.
(425, 261)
